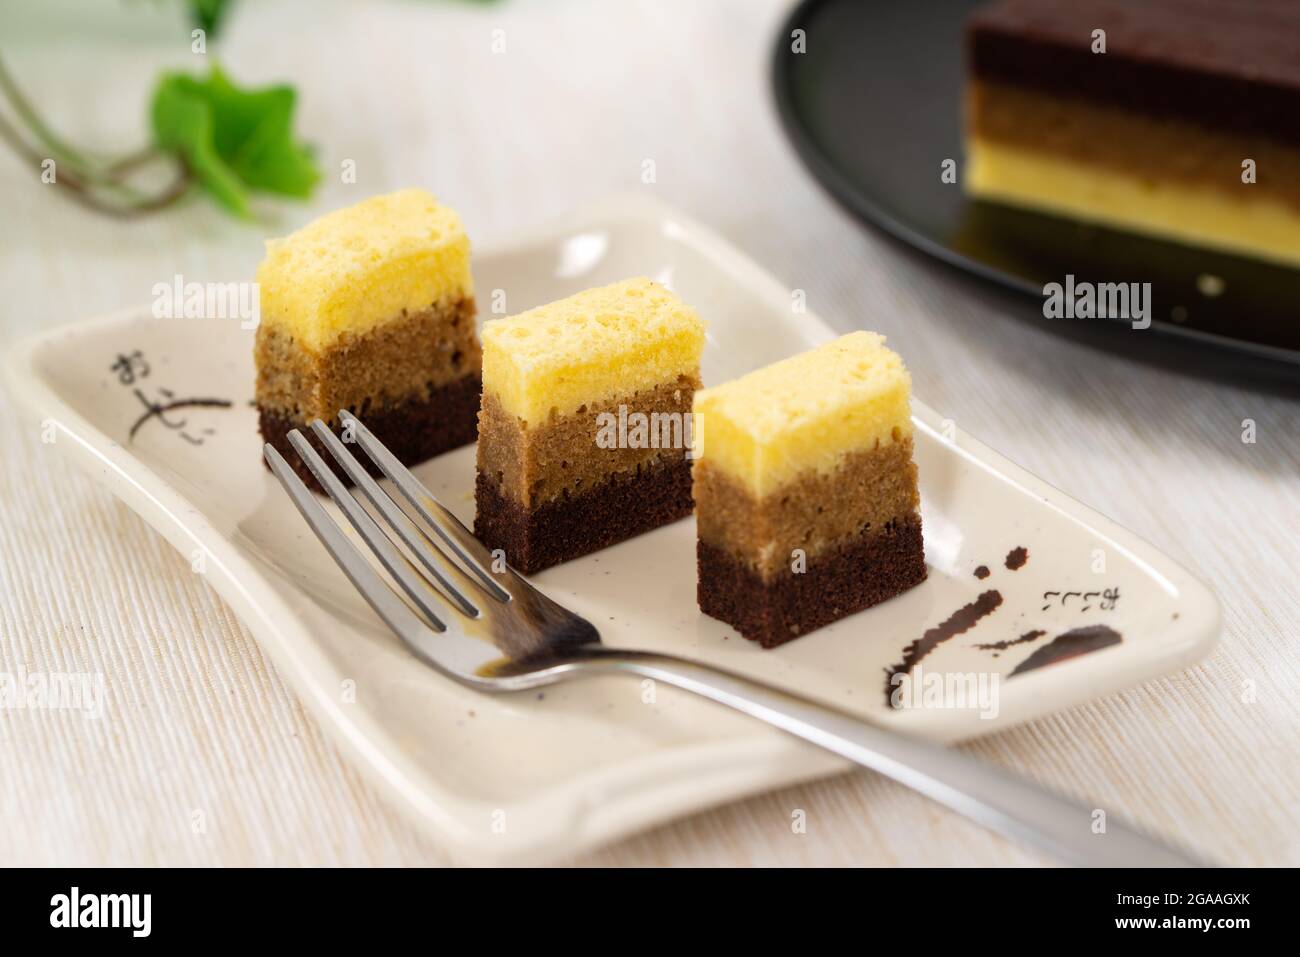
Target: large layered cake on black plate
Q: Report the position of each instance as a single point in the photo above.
(1175, 118)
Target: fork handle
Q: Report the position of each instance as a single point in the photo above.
(997, 799)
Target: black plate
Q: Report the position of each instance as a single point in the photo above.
(873, 106)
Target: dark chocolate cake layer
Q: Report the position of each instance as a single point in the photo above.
(413, 430)
(874, 567)
(569, 526)
(1224, 65)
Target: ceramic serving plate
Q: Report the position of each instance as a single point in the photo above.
(1089, 607)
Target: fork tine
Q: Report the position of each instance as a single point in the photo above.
(393, 561)
(374, 589)
(420, 545)
(449, 528)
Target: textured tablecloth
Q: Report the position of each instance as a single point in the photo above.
(199, 723)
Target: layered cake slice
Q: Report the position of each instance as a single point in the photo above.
(371, 309)
(584, 427)
(805, 490)
(1174, 118)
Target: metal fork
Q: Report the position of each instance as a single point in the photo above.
(471, 609)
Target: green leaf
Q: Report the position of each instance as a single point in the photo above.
(182, 123)
(233, 140)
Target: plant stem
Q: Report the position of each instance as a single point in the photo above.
(83, 179)
(114, 172)
(34, 122)
(84, 191)
(107, 172)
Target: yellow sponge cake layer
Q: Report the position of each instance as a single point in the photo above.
(1253, 223)
(610, 341)
(805, 413)
(359, 267)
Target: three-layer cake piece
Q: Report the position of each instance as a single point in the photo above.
(371, 309)
(584, 426)
(805, 491)
(1169, 117)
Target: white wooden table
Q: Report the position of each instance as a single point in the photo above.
(581, 96)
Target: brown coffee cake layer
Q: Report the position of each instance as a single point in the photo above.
(413, 430)
(813, 513)
(564, 455)
(567, 526)
(406, 359)
(414, 382)
(1113, 137)
(876, 565)
(550, 492)
(815, 550)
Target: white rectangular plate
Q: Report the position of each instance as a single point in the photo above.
(540, 775)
